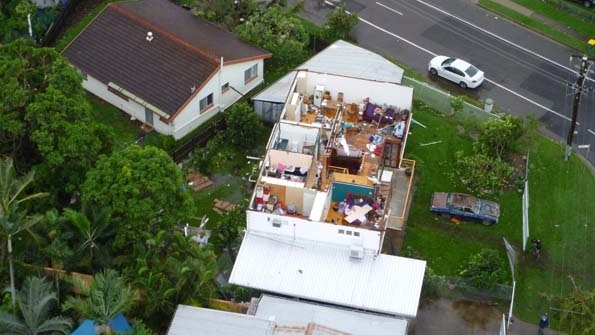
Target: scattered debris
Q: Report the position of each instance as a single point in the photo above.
(197, 181)
(430, 143)
(222, 206)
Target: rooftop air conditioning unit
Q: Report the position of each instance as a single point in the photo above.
(356, 252)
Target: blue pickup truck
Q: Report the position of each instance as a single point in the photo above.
(465, 207)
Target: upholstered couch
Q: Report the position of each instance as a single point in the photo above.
(371, 115)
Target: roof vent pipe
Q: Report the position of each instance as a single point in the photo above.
(149, 36)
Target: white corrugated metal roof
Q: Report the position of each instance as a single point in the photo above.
(340, 58)
(326, 273)
(193, 320)
(294, 313)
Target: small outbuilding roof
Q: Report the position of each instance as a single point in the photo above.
(293, 314)
(327, 273)
(340, 58)
(194, 320)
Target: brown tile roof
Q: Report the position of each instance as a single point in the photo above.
(184, 53)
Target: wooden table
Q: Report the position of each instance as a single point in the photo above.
(358, 213)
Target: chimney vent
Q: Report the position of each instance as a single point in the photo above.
(149, 36)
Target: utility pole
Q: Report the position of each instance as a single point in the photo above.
(585, 65)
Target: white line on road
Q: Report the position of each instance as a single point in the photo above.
(387, 7)
(491, 81)
(497, 37)
(531, 101)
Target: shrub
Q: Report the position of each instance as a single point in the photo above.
(339, 24)
(485, 269)
(483, 174)
(497, 136)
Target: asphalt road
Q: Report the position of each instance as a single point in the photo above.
(526, 73)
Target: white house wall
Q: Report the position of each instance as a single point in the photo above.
(299, 228)
(190, 118)
(355, 90)
(131, 107)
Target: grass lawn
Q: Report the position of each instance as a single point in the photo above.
(564, 18)
(125, 130)
(561, 215)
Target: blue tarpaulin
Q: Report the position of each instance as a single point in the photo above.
(119, 324)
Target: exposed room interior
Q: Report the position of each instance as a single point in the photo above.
(329, 157)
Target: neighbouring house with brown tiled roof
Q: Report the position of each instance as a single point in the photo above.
(164, 66)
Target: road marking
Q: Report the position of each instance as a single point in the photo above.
(497, 37)
(433, 54)
(531, 101)
(491, 81)
(387, 7)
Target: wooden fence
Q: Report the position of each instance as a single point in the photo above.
(200, 139)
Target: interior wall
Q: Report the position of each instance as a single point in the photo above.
(295, 196)
(355, 90)
(308, 199)
(299, 134)
(289, 158)
(279, 191)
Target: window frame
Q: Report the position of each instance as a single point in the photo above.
(225, 87)
(252, 71)
(208, 103)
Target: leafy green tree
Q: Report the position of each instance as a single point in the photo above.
(228, 231)
(145, 190)
(103, 299)
(498, 135)
(45, 120)
(62, 139)
(244, 126)
(226, 12)
(278, 32)
(167, 270)
(577, 312)
(485, 269)
(339, 24)
(14, 220)
(13, 15)
(36, 300)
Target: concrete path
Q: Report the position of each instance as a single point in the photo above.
(448, 317)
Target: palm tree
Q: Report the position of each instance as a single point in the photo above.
(94, 227)
(35, 300)
(12, 222)
(104, 298)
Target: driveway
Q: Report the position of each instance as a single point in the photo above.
(455, 317)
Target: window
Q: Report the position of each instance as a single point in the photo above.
(341, 231)
(356, 233)
(251, 73)
(206, 102)
(225, 87)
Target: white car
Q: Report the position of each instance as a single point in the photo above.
(456, 70)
